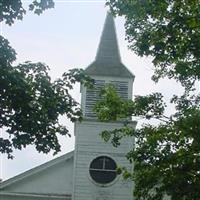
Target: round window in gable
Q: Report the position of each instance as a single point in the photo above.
(103, 170)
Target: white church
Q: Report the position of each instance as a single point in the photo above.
(88, 172)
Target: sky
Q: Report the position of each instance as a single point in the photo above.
(67, 37)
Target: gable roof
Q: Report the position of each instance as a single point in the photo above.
(108, 61)
(36, 170)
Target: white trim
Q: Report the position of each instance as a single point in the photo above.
(17, 194)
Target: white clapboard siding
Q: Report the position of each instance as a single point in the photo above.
(90, 146)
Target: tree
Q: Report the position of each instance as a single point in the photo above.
(30, 103)
(166, 30)
(14, 10)
(166, 156)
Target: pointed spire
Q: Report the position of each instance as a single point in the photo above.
(108, 50)
(108, 61)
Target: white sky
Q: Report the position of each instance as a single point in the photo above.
(67, 37)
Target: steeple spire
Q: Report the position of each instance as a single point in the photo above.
(108, 61)
(108, 50)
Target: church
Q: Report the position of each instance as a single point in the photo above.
(88, 172)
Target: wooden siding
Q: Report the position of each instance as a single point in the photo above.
(90, 145)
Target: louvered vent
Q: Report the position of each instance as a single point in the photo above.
(92, 96)
(121, 88)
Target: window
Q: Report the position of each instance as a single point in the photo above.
(103, 170)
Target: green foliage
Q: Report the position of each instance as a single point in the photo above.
(166, 157)
(14, 10)
(112, 107)
(30, 103)
(166, 30)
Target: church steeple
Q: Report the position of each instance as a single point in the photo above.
(108, 50)
(106, 69)
(95, 161)
(108, 61)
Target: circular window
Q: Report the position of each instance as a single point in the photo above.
(103, 170)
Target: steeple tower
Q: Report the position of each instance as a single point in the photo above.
(106, 68)
(95, 161)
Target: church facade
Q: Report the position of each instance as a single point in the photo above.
(88, 172)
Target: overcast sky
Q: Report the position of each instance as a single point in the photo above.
(67, 37)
